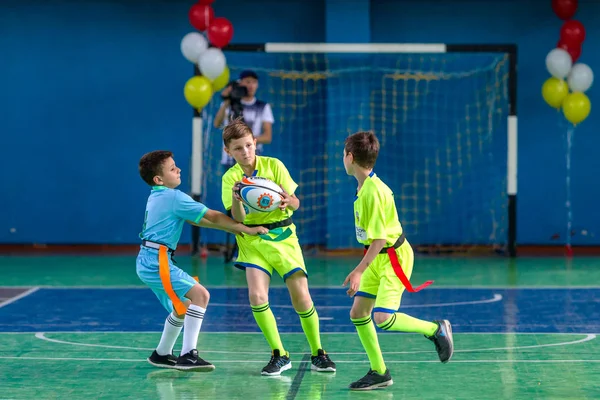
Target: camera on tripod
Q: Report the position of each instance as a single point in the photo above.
(235, 98)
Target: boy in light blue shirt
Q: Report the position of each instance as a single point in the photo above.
(166, 212)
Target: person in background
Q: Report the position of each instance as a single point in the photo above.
(257, 114)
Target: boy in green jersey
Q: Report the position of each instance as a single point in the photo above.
(277, 251)
(382, 275)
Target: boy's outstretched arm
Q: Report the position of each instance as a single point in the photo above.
(204, 223)
(217, 220)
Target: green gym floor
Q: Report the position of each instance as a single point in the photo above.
(80, 327)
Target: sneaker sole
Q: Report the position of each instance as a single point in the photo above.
(328, 369)
(170, 366)
(450, 339)
(284, 368)
(375, 386)
(198, 368)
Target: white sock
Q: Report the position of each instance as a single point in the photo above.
(169, 336)
(192, 322)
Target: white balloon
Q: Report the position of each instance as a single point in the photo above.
(212, 63)
(193, 45)
(559, 63)
(580, 78)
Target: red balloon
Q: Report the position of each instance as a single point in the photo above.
(572, 31)
(201, 15)
(220, 32)
(573, 48)
(564, 9)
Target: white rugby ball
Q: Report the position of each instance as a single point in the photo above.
(260, 194)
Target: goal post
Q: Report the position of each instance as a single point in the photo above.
(445, 115)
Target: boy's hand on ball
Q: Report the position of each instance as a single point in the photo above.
(285, 200)
(236, 191)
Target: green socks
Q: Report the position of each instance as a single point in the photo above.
(368, 338)
(266, 322)
(310, 325)
(406, 323)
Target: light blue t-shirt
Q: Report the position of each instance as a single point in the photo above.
(166, 212)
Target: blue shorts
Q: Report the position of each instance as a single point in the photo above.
(174, 283)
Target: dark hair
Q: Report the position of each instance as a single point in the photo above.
(364, 147)
(151, 164)
(236, 129)
(248, 74)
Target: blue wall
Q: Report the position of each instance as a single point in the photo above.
(88, 87)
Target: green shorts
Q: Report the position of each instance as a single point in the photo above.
(285, 256)
(380, 282)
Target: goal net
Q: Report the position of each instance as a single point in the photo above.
(441, 119)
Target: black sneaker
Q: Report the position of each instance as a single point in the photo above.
(191, 362)
(277, 364)
(444, 344)
(166, 361)
(372, 380)
(321, 362)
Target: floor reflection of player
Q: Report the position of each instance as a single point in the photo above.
(172, 384)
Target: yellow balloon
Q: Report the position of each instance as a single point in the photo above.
(576, 107)
(198, 91)
(222, 80)
(554, 91)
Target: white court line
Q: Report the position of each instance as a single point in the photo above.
(42, 336)
(19, 296)
(497, 297)
(337, 361)
(299, 333)
(338, 287)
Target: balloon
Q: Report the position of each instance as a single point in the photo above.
(564, 9)
(198, 91)
(558, 63)
(580, 78)
(573, 48)
(220, 32)
(212, 63)
(201, 16)
(576, 107)
(221, 81)
(554, 91)
(572, 31)
(192, 45)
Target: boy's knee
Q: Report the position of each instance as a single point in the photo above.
(381, 317)
(258, 297)
(302, 303)
(357, 312)
(199, 295)
(298, 287)
(205, 294)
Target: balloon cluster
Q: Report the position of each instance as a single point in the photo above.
(562, 64)
(205, 51)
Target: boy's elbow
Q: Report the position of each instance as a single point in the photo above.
(379, 243)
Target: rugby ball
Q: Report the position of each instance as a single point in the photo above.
(260, 194)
